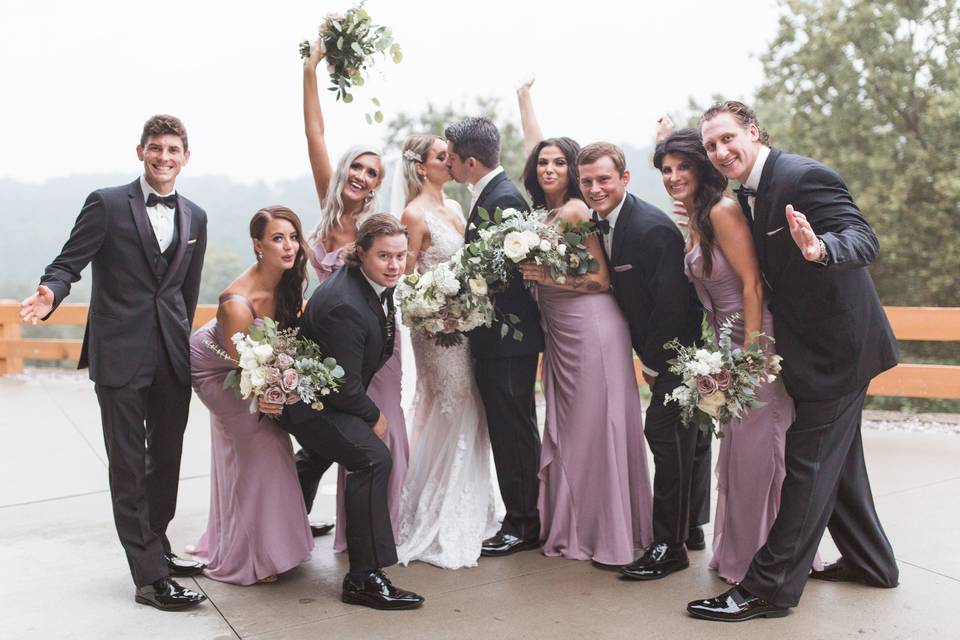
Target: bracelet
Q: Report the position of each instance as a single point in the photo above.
(824, 258)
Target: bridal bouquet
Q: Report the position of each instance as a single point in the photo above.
(444, 303)
(350, 42)
(720, 385)
(280, 367)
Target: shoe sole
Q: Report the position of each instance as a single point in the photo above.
(527, 546)
(697, 546)
(648, 578)
(364, 603)
(174, 607)
(761, 614)
(189, 573)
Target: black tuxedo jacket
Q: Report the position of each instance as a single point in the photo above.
(516, 299)
(345, 318)
(136, 291)
(828, 321)
(647, 276)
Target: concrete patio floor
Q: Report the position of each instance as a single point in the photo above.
(65, 575)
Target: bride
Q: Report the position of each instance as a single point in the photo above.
(447, 504)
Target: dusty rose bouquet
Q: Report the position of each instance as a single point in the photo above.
(280, 367)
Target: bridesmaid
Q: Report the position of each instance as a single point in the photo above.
(347, 195)
(257, 526)
(595, 496)
(722, 264)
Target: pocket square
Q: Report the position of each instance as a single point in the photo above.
(191, 241)
(777, 230)
(620, 268)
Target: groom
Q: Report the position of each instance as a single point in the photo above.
(351, 317)
(146, 243)
(505, 369)
(814, 247)
(644, 250)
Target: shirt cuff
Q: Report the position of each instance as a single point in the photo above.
(647, 370)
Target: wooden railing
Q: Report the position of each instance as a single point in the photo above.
(905, 380)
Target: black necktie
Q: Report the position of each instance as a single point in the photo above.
(168, 201)
(387, 298)
(743, 194)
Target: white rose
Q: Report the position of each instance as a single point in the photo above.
(532, 238)
(245, 384)
(509, 213)
(711, 404)
(248, 361)
(681, 394)
(258, 377)
(545, 245)
(446, 281)
(562, 249)
(426, 281)
(263, 352)
(515, 246)
(478, 286)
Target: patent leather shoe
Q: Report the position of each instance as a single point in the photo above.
(696, 540)
(660, 560)
(321, 528)
(735, 605)
(376, 591)
(165, 594)
(503, 544)
(181, 567)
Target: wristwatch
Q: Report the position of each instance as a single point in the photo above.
(824, 258)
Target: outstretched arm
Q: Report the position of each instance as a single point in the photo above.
(528, 118)
(313, 124)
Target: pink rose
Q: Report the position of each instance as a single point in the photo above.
(275, 395)
(293, 398)
(290, 380)
(723, 379)
(706, 385)
(284, 361)
(272, 375)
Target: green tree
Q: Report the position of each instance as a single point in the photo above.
(434, 120)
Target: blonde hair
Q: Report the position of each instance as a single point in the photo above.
(332, 209)
(414, 152)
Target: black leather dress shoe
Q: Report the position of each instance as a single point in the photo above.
(840, 571)
(736, 605)
(165, 594)
(377, 592)
(660, 560)
(181, 567)
(503, 544)
(696, 540)
(321, 529)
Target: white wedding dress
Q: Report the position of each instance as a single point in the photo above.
(448, 503)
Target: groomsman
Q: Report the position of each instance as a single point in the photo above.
(814, 247)
(146, 243)
(351, 316)
(505, 369)
(645, 251)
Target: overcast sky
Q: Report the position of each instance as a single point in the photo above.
(79, 78)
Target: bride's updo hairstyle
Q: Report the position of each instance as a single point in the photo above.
(288, 295)
(414, 152)
(379, 224)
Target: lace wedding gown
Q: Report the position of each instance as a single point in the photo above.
(447, 504)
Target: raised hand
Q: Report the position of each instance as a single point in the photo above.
(317, 51)
(803, 235)
(665, 127)
(526, 83)
(38, 306)
(680, 211)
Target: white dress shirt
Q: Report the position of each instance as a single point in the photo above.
(612, 219)
(161, 216)
(753, 180)
(481, 184)
(377, 289)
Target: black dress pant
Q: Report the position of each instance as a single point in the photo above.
(507, 388)
(310, 469)
(674, 449)
(143, 424)
(826, 487)
(700, 483)
(340, 437)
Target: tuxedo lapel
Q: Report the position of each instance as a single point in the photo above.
(481, 201)
(763, 202)
(621, 229)
(148, 239)
(184, 214)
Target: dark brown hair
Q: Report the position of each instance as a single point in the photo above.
(687, 144)
(741, 113)
(593, 152)
(569, 148)
(379, 224)
(288, 296)
(163, 124)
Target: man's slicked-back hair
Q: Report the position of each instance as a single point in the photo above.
(743, 114)
(477, 137)
(161, 125)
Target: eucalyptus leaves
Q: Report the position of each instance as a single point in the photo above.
(350, 42)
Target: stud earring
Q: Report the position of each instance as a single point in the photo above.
(259, 255)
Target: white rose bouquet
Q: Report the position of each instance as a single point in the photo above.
(350, 42)
(279, 366)
(720, 385)
(444, 302)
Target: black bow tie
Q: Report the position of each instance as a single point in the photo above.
(169, 201)
(603, 225)
(745, 192)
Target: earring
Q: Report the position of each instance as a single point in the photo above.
(259, 255)
(370, 197)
